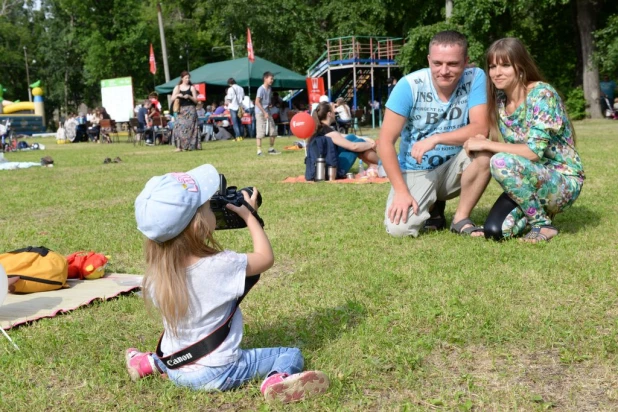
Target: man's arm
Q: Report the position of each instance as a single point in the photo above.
(479, 125)
(391, 129)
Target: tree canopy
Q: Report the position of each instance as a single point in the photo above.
(71, 45)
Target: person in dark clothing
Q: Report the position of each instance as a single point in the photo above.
(143, 120)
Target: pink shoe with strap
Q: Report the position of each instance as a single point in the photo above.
(140, 364)
(291, 388)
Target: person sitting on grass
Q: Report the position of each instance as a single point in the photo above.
(349, 147)
(537, 166)
(195, 285)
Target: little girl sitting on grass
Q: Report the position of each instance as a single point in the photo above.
(195, 286)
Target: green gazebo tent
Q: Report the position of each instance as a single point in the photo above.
(217, 74)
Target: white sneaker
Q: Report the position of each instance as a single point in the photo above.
(272, 151)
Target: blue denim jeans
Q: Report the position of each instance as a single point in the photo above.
(235, 123)
(250, 127)
(252, 364)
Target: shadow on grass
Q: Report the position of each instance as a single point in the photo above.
(576, 218)
(309, 333)
(572, 220)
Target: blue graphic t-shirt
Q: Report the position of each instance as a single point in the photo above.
(414, 97)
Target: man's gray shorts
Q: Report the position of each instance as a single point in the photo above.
(427, 186)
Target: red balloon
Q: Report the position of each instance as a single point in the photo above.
(302, 125)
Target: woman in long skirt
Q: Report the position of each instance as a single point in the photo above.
(185, 130)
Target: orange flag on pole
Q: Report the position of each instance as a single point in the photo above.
(250, 53)
(153, 63)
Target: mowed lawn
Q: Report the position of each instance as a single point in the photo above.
(438, 322)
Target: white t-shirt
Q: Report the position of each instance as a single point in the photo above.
(247, 103)
(344, 112)
(234, 95)
(214, 283)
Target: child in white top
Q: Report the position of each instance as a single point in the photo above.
(195, 286)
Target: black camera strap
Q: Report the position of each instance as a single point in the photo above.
(211, 342)
(253, 212)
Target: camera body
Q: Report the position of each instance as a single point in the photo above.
(226, 219)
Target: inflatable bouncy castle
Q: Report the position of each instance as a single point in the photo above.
(26, 117)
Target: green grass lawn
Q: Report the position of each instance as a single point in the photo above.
(438, 322)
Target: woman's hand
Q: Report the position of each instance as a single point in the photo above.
(475, 144)
(242, 211)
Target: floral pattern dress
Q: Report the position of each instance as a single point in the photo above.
(545, 187)
(185, 131)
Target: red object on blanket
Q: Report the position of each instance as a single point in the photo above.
(86, 265)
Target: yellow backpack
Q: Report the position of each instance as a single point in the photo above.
(39, 269)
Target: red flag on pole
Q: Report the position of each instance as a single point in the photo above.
(153, 63)
(250, 47)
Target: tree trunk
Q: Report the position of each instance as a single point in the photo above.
(66, 71)
(449, 9)
(585, 24)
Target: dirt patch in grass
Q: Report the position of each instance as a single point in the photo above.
(523, 380)
(284, 266)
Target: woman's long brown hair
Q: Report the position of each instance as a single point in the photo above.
(320, 114)
(165, 283)
(508, 50)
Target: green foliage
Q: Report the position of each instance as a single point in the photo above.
(77, 43)
(488, 20)
(607, 43)
(575, 104)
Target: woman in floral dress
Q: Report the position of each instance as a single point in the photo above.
(537, 166)
(185, 127)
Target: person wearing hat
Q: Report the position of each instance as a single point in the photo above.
(195, 285)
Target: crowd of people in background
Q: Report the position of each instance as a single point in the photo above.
(86, 126)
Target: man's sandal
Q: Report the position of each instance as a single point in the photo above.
(468, 231)
(535, 235)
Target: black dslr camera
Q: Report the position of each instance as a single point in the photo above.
(226, 219)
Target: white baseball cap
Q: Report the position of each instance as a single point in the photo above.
(324, 99)
(167, 204)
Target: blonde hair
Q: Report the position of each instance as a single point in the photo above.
(508, 50)
(165, 283)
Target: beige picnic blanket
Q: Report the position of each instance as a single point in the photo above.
(19, 309)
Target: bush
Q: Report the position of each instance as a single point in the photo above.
(576, 104)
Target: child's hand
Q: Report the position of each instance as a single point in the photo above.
(242, 211)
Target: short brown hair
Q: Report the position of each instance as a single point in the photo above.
(450, 38)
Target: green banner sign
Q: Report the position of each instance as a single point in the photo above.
(121, 81)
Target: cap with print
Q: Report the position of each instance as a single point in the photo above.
(167, 204)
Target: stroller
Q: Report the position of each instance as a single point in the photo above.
(610, 112)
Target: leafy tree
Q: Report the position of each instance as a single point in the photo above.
(77, 43)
